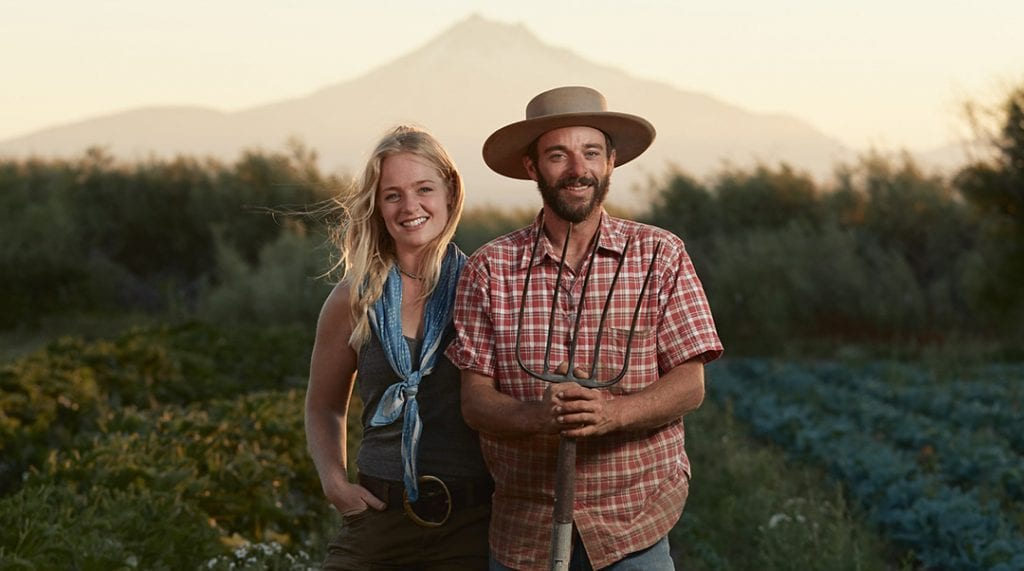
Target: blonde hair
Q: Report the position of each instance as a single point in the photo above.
(366, 249)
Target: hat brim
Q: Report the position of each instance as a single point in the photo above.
(504, 150)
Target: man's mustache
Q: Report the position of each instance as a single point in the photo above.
(576, 181)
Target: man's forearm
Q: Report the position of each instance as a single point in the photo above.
(575, 411)
(677, 393)
(485, 409)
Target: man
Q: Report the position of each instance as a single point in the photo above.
(632, 473)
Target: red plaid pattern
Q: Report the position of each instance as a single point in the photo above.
(630, 487)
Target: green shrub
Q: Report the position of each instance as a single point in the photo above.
(227, 473)
(242, 462)
(71, 386)
(480, 226)
(166, 448)
(284, 287)
(769, 287)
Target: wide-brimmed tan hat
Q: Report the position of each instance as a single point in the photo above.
(571, 106)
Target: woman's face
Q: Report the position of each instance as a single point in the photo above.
(413, 200)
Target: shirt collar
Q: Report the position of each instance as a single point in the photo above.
(613, 240)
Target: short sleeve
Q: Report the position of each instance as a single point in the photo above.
(473, 347)
(686, 329)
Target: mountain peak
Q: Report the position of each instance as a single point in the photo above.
(475, 31)
(476, 26)
(479, 48)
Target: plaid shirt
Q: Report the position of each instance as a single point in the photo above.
(630, 486)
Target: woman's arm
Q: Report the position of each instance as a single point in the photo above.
(331, 379)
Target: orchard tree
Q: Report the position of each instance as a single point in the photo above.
(995, 187)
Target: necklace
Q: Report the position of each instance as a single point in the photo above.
(407, 274)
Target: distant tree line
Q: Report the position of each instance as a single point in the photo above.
(91, 234)
(889, 254)
(884, 254)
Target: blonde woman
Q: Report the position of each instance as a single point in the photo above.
(422, 497)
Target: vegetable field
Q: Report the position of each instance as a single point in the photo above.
(182, 447)
(936, 459)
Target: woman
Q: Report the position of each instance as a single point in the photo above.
(422, 500)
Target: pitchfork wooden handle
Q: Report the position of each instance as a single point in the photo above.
(565, 480)
(565, 498)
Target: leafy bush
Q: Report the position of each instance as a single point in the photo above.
(480, 226)
(242, 462)
(284, 287)
(230, 469)
(166, 448)
(69, 387)
(769, 287)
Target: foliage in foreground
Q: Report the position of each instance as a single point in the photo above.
(165, 448)
(171, 487)
(145, 476)
(73, 387)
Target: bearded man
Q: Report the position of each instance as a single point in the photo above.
(632, 472)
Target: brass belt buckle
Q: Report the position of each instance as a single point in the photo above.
(434, 503)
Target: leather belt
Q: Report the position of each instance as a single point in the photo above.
(462, 493)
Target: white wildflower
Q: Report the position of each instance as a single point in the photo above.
(777, 519)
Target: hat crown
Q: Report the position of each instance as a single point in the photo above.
(559, 108)
(566, 100)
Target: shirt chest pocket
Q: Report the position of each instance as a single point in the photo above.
(617, 346)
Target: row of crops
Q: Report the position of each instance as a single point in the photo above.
(936, 460)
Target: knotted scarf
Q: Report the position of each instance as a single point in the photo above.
(385, 319)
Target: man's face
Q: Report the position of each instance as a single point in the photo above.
(573, 171)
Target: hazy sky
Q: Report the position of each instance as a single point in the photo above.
(887, 73)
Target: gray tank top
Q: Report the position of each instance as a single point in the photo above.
(448, 448)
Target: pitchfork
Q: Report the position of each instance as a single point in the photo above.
(565, 472)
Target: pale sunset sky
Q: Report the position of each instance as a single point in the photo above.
(883, 73)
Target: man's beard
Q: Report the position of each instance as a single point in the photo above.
(573, 211)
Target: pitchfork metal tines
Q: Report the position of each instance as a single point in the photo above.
(545, 374)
